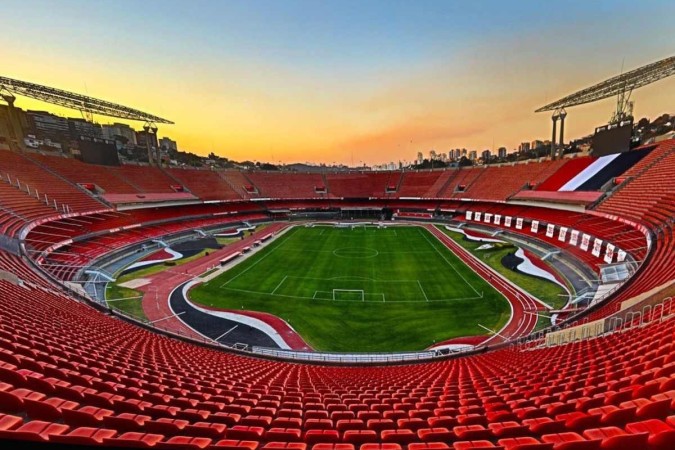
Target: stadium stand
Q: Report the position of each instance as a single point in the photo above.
(19, 208)
(501, 182)
(145, 179)
(19, 170)
(241, 184)
(286, 184)
(361, 184)
(648, 194)
(205, 184)
(71, 373)
(460, 182)
(569, 170)
(418, 184)
(78, 172)
(68, 371)
(617, 165)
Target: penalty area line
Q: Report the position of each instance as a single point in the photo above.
(422, 289)
(447, 261)
(279, 285)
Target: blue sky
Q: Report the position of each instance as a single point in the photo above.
(325, 78)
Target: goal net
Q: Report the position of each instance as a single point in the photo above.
(349, 294)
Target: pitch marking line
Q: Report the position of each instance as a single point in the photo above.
(300, 297)
(381, 252)
(226, 333)
(285, 239)
(351, 278)
(449, 263)
(279, 285)
(422, 289)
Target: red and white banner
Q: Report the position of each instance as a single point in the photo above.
(574, 237)
(621, 256)
(550, 229)
(597, 246)
(535, 226)
(487, 217)
(498, 219)
(477, 216)
(562, 235)
(609, 253)
(519, 223)
(585, 242)
(469, 214)
(507, 221)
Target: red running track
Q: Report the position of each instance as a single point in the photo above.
(521, 323)
(157, 292)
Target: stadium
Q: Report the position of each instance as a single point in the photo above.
(522, 305)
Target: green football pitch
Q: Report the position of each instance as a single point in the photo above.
(361, 288)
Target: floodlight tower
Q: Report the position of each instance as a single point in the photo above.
(15, 130)
(554, 118)
(153, 153)
(558, 114)
(562, 114)
(158, 157)
(621, 85)
(88, 106)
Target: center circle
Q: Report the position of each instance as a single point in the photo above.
(355, 252)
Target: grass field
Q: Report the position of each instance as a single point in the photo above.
(361, 289)
(545, 290)
(550, 293)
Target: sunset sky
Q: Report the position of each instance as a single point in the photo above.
(341, 81)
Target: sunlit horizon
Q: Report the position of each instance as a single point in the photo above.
(341, 82)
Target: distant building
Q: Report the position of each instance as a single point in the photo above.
(536, 144)
(501, 152)
(432, 155)
(168, 144)
(420, 158)
(524, 147)
(485, 155)
(81, 127)
(119, 130)
(473, 155)
(44, 125)
(142, 136)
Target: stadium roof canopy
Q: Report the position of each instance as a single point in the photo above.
(616, 85)
(76, 101)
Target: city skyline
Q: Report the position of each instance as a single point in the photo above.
(341, 82)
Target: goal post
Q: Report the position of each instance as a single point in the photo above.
(349, 294)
